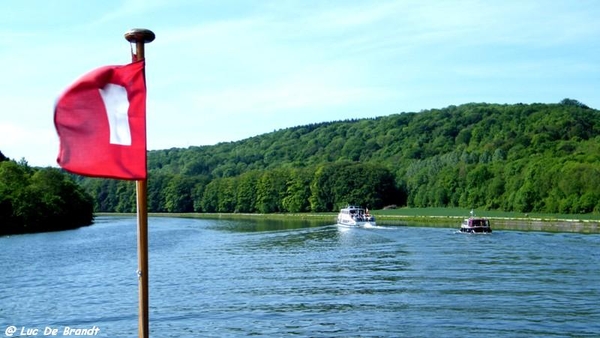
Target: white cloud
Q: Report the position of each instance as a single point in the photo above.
(39, 146)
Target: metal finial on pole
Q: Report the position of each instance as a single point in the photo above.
(140, 37)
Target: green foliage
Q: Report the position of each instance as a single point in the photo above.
(178, 194)
(270, 191)
(36, 200)
(297, 193)
(516, 158)
(246, 192)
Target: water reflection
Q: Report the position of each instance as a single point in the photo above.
(261, 225)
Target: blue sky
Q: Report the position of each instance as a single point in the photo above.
(223, 71)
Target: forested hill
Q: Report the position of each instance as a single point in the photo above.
(523, 157)
(40, 199)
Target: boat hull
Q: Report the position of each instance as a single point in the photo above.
(476, 230)
(356, 224)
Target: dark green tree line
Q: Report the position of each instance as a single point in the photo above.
(37, 200)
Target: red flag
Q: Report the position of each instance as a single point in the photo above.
(101, 123)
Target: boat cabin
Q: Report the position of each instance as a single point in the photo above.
(477, 222)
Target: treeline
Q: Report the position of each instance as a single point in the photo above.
(522, 157)
(318, 188)
(40, 199)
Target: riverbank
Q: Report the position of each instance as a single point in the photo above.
(583, 226)
(503, 223)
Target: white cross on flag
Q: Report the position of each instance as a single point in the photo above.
(101, 123)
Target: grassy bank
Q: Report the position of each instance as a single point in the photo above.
(501, 220)
(433, 217)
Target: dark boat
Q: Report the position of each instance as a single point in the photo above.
(476, 225)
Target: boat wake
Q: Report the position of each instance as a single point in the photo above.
(365, 226)
(370, 226)
(472, 233)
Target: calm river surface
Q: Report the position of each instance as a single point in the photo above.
(220, 278)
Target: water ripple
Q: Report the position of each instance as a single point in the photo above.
(235, 278)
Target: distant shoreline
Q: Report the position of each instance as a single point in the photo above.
(498, 223)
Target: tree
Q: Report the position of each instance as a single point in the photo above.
(575, 103)
(35, 200)
(270, 191)
(227, 194)
(210, 198)
(297, 193)
(13, 181)
(322, 196)
(178, 194)
(246, 192)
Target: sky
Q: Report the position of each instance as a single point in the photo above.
(222, 71)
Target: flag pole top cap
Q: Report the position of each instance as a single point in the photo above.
(139, 35)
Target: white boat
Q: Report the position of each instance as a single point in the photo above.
(355, 216)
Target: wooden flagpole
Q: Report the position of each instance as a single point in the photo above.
(140, 37)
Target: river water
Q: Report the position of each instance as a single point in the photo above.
(222, 278)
